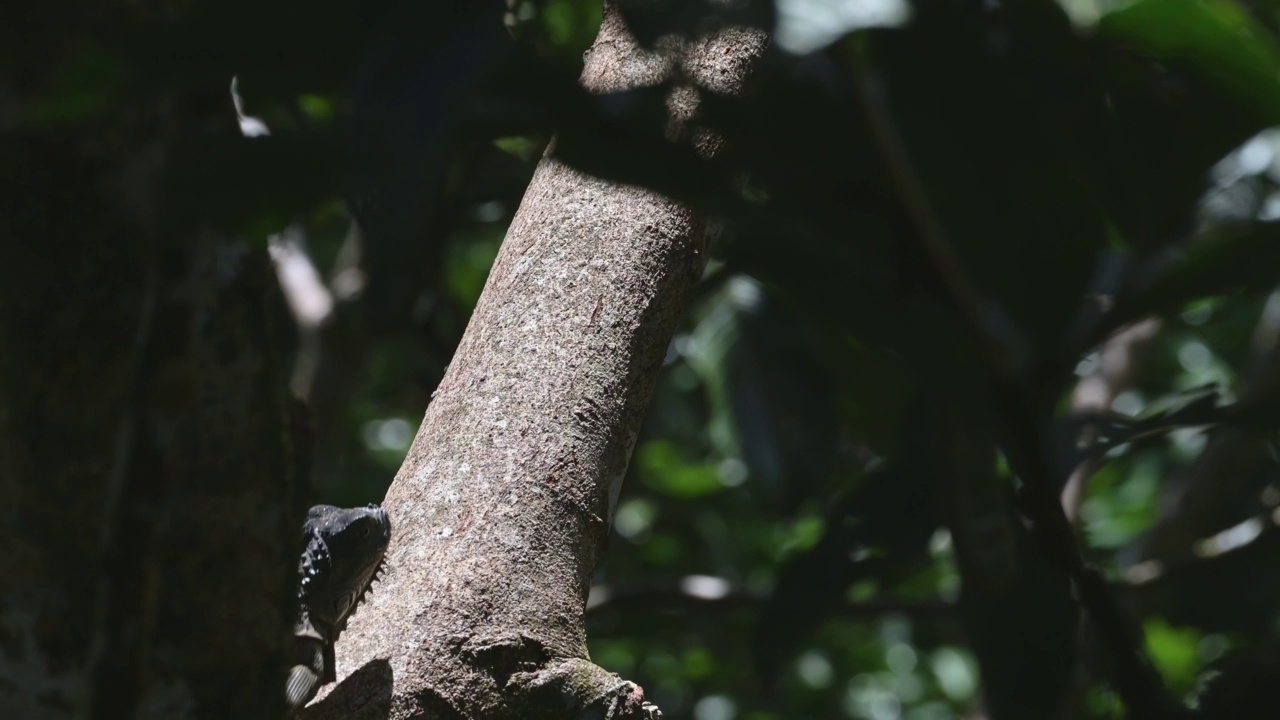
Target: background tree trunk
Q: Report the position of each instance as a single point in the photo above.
(148, 464)
(503, 505)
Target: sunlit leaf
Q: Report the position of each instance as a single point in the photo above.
(808, 25)
(661, 468)
(1175, 652)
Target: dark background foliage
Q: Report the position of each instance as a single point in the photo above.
(976, 408)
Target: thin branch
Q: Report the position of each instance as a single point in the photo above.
(1234, 461)
(1137, 682)
(1238, 538)
(309, 299)
(1096, 391)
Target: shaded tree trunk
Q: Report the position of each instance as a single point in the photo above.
(503, 506)
(147, 448)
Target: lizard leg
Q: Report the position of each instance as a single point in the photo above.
(306, 676)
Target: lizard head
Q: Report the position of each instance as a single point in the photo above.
(344, 552)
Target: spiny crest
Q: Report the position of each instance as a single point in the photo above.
(368, 587)
(316, 562)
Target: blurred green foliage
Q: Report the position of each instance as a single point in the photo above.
(823, 515)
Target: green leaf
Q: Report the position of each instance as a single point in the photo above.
(521, 147)
(1218, 39)
(1175, 651)
(1238, 257)
(88, 86)
(779, 394)
(879, 532)
(661, 468)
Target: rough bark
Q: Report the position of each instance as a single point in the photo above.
(503, 504)
(147, 479)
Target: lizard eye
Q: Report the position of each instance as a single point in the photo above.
(362, 532)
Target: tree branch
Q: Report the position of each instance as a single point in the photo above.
(1234, 462)
(1136, 680)
(504, 502)
(1096, 391)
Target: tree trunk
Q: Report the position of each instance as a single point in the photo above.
(503, 506)
(148, 482)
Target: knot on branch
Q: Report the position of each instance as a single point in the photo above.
(537, 685)
(585, 691)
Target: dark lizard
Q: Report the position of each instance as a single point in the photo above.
(342, 557)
